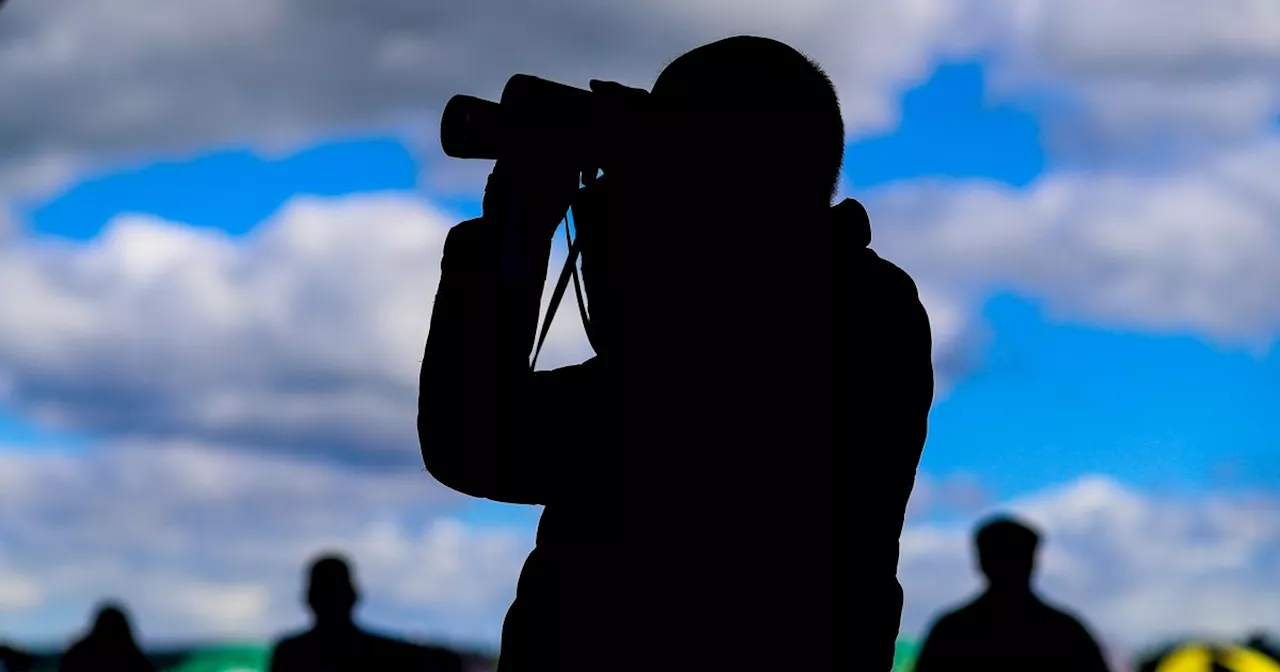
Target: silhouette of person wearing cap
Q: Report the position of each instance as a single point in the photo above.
(1009, 627)
(110, 645)
(336, 643)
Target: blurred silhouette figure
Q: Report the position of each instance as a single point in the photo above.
(110, 645)
(336, 644)
(748, 431)
(1008, 627)
(15, 660)
(1263, 643)
(1217, 662)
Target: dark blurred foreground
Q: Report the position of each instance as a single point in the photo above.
(255, 658)
(242, 658)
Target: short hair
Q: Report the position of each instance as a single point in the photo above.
(330, 576)
(332, 562)
(111, 613)
(1003, 533)
(761, 82)
(330, 567)
(112, 621)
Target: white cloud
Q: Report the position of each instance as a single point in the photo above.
(1148, 77)
(18, 592)
(305, 336)
(8, 225)
(956, 493)
(1188, 251)
(1137, 567)
(222, 609)
(204, 543)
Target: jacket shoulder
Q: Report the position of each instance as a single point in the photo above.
(887, 273)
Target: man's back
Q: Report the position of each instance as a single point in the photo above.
(804, 384)
(676, 556)
(751, 419)
(87, 655)
(353, 651)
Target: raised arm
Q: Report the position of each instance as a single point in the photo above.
(488, 426)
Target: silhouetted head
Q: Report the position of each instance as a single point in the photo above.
(749, 120)
(331, 593)
(1007, 553)
(747, 131)
(1259, 640)
(111, 625)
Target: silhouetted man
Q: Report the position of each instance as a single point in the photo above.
(1263, 643)
(110, 645)
(336, 644)
(15, 660)
(1008, 627)
(725, 481)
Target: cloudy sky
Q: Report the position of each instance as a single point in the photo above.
(220, 230)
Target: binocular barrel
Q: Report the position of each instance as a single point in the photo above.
(536, 117)
(470, 128)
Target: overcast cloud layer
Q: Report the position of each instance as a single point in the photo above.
(88, 84)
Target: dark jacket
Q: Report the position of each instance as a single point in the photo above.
(15, 660)
(91, 653)
(729, 489)
(355, 650)
(997, 635)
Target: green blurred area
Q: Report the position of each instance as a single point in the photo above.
(227, 659)
(238, 658)
(231, 658)
(904, 656)
(250, 658)
(255, 658)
